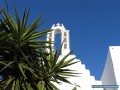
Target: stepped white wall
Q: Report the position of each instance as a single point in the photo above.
(110, 76)
(84, 81)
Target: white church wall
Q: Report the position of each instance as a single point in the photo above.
(108, 77)
(84, 81)
(111, 73)
(115, 54)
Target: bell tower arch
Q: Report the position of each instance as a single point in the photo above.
(59, 28)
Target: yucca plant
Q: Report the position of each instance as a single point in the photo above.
(55, 69)
(20, 46)
(24, 62)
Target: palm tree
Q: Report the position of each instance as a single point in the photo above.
(25, 63)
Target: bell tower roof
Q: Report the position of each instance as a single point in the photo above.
(58, 26)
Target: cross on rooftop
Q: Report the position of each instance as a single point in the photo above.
(58, 24)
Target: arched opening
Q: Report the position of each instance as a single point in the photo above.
(58, 40)
(65, 46)
(65, 34)
(65, 40)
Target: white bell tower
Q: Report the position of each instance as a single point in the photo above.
(59, 28)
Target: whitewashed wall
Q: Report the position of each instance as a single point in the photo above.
(111, 73)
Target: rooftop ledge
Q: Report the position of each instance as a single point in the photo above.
(105, 86)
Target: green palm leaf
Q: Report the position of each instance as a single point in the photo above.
(25, 63)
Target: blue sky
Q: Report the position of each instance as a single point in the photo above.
(94, 25)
